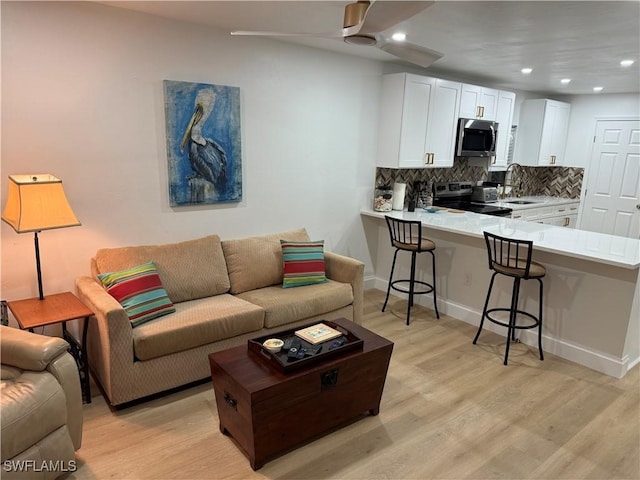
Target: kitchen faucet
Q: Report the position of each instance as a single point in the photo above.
(511, 184)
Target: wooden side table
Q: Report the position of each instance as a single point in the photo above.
(59, 308)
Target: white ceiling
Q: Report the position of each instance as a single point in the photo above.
(488, 41)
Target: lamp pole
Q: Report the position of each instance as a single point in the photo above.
(39, 270)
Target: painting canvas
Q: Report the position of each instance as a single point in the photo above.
(203, 143)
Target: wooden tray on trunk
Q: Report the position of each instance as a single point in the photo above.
(282, 363)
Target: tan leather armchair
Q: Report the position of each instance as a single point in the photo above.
(40, 406)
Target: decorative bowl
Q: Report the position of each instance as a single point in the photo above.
(273, 344)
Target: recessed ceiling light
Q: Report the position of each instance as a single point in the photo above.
(399, 36)
(597, 89)
(565, 81)
(626, 63)
(527, 70)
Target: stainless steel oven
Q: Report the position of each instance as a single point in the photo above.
(457, 195)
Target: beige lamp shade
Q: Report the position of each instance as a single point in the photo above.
(37, 202)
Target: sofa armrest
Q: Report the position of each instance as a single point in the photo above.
(29, 351)
(36, 353)
(347, 270)
(110, 338)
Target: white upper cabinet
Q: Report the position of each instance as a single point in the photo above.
(542, 132)
(504, 117)
(479, 102)
(417, 121)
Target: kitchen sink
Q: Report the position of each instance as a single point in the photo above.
(520, 202)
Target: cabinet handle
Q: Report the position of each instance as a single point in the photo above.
(493, 161)
(428, 158)
(479, 111)
(233, 403)
(566, 221)
(553, 159)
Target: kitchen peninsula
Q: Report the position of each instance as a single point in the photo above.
(591, 291)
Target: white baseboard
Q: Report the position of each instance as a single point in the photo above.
(598, 361)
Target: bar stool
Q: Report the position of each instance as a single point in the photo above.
(406, 235)
(512, 258)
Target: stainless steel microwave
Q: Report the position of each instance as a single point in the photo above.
(476, 138)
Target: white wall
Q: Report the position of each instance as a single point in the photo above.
(582, 123)
(82, 99)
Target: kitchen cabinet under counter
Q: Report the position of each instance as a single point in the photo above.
(592, 290)
(562, 212)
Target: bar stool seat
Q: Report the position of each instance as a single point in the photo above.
(406, 235)
(512, 258)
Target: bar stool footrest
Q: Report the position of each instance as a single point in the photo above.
(535, 323)
(428, 286)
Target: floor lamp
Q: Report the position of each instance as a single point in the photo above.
(36, 203)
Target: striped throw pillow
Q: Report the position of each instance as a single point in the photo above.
(140, 292)
(303, 263)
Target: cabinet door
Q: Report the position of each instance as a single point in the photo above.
(554, 133)
(469, 101)
(478, 102)
(443, 118)
(418, 97)
(404, 117)
(560, 128)
(542, 132)
(489, 102)
(504, 117)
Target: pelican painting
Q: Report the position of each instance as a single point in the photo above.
(203, 143)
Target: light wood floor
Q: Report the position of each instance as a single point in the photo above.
(450, 410)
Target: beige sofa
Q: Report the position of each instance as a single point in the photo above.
(40, 406)
(224, 292)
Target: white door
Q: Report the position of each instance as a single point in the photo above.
(612, 197)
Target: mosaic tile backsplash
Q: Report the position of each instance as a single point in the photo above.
(565, 182)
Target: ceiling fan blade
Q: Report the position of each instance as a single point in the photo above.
(415, 54)
(286, 34)
(382, 15)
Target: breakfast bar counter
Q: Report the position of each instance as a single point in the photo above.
(592, 294)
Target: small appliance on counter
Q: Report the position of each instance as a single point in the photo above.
(424, 194)
(484, 194)
(465, 196)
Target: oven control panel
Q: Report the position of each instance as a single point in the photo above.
(452, 189)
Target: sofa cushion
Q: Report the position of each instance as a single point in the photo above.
(256, 262)
(286, 305)
(189, 270)
(196, 323)
(303, 263)
(140, 292)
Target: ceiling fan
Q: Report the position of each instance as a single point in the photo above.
(364, 22)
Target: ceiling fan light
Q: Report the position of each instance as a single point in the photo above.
(399, 37)
(366, 40)
(626, 63)
(565, 81)
(597, 89)
(526, 71)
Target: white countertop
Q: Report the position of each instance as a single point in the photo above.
(538, 201)
(597, 247)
